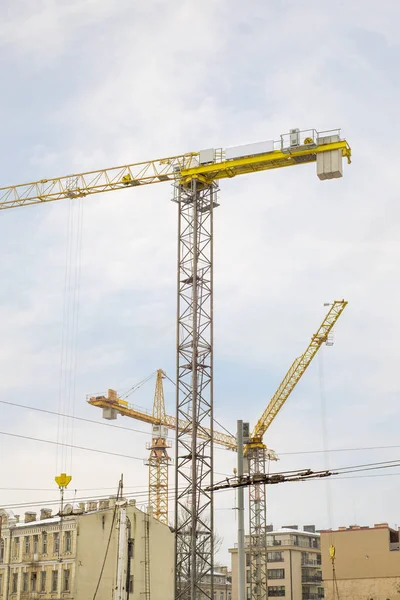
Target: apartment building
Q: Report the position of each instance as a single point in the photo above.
(367, 563)
(294, 564)
(222, 584)
(69, 556)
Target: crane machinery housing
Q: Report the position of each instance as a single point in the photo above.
(195, 177)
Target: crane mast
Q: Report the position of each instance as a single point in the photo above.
(195, 176)
(158, 461)
(194, 402)
(257, 453)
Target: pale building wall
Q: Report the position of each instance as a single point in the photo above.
(367, 564)
(78, 562)
(26, 558)
(286, 555)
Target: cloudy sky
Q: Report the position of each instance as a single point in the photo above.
(94, 83)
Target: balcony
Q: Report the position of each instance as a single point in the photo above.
(311, 579)
(310, 562)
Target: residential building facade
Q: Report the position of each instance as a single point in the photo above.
(367, 563)
(222, 584)
(69, 556)
(293, 564)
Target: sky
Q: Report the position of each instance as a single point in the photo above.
(88, 292)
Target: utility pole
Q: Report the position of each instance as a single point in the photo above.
(120, 590)
(241, 428)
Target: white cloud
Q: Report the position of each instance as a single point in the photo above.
(110, 84)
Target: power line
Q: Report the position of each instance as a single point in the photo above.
(52, 412)
(356, 449)
(27, 437)
(132, 429)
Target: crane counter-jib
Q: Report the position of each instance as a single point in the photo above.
(112, 407)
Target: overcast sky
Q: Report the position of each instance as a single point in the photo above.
(95, 83)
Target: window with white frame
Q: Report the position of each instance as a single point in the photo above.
(276, 573)
(43, 581)
(67, 541)
(33, 582)
(25, 582)
(54, 581)
(276, 590)
(14, 587)
(67, 580)
(56, 543)
(44, 542)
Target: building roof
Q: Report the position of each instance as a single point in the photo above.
(295, 531)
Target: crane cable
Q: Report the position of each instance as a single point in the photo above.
(325, 444)
(69, 336)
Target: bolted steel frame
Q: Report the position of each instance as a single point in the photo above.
(257, 524)
(194, 518)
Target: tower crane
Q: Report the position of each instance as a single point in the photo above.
(195, 177)
(256, 451)
(159, 459)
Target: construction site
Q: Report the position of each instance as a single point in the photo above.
(237, 321)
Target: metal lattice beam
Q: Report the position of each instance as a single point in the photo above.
(194, 452)
(159, 459)
(258, 526)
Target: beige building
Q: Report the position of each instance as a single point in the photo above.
(367, 562)
(222, 584)
(294, 564)
(100, 545)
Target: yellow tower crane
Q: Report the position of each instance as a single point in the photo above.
(159, 459)
(195, 177)
(256, 451)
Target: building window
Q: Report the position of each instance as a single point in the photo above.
(276, 573)
(14, 587)
(43, 581)
(131, 548)
(275, 556)
(16, 547)
(276, 590)
(1, 550)
(54, 581)
(33, 582)
(24, 582)
(27, 542)
(248, 576)
(1, 584)
(35, 544)
(247, 559)
(67, 541)
(44, 543)
(229, 596)
(56, 543)
(248, 593)
(131, 584)
(67, 580)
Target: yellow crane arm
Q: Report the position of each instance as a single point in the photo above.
(209, 165)
(297, 370)
(113, 403)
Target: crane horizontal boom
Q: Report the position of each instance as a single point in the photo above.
(297, 370)
(129, 410)
(183, 167)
